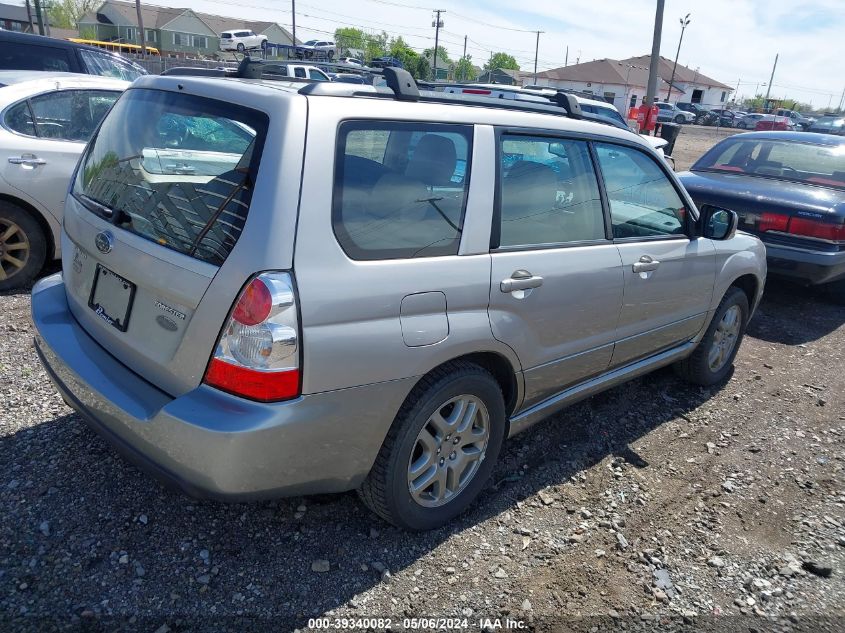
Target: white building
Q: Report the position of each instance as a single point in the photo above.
(623, 82)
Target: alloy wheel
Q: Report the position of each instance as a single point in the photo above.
(725, 338)
(448, 450)
(14, 249)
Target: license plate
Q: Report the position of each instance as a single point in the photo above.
(111, 297)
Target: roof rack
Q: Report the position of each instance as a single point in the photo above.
(401, 86)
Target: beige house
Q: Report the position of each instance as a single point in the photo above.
(623, 82)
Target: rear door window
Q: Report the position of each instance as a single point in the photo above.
(400, 189)
(548, 193)
(181, 174)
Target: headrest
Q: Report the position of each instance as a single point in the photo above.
(434, 160)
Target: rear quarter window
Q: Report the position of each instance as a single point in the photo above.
(176, 169)
(400, 189)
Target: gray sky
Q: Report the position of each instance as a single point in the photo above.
(729, 40)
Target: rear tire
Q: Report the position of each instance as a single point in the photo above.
(424, 438)
(23, 247)
(714, 355)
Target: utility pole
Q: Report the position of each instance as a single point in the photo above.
(29, 16)
(684, 24)
(465, 47)
(142, 40)
(436, 24)
(566, 60)
(655, 54)
(536, 52)
(771, 79)
(293, 29)
(38, 17)
(841, 99)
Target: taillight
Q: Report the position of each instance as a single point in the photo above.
(257, 356)
(773, 222)
(819, 229)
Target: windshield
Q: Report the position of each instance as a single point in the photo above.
(175, 169)
(787, 160)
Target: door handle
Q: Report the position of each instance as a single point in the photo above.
(30, 160)
(520, 280)
(645, 264)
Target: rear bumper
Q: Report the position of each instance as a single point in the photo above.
(206, 442)
(809, 267)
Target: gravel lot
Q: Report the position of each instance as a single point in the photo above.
(650, 506)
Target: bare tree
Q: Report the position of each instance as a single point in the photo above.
(65, 14)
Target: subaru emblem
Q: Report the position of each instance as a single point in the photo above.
(103, 241)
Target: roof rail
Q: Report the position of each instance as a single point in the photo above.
(401, 86)
(197, 72)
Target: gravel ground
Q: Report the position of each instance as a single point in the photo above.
(651, 506)
(694, 140)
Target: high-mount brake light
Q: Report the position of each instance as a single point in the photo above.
(257, 356)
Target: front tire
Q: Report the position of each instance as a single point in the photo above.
(241, 48)
(23, 247)
(714, 355)
(440, 450)
(679, 119)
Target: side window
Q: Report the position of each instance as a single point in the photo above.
(316, 74)
(19, 119)
(17, 57)
(400, 189)
(643, 202)
(548, 192)
(299, 72)
(71, 115)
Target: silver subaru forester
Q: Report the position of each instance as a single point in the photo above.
(279, 288)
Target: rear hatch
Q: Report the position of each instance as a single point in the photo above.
(159, 201)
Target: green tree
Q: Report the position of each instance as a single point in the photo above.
(501, 60)
(349, 37)
(443, 56)
(65, 14)
(464, 70)
(420, 68)
(376, 45)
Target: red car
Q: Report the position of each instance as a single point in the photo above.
(772, 122)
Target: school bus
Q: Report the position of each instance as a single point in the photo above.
(116, 47)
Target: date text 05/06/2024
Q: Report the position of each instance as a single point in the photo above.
(427, 624)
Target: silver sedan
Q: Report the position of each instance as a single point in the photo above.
(45, 120)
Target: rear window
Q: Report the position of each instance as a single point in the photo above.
(400, 189)
(175, 169)
(786, 160)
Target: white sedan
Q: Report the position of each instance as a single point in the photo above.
(47, 118)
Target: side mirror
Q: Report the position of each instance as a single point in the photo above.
(717, 223)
